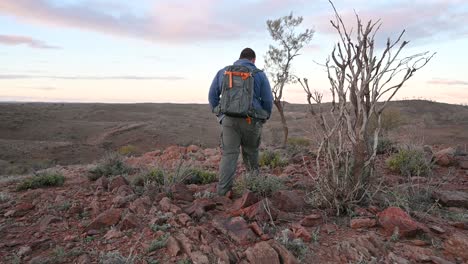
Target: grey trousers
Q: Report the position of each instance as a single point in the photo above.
(237, 132)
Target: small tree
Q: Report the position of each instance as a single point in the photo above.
(278, 59)
(370, 81)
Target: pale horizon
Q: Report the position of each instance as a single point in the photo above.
(156, 52)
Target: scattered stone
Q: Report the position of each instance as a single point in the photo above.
(262, 253)
(262, 211)
(20, 209)
(130, 221)
(140, 206)
(285, 256)
(248, 198)
(236, 228)
(445, 157)
(393, 217)
(362, 223)
(457, 245)
(199, 207)
(102, 183)
(288, 201)
(113, 233)
(311, 220)
(168, 206)
(183, 219)
(181, 192)
(24, 250)
(124, 190)
(437, 229)
(193, 149)
(116, 182)
(108, 218)
(173, 246)
(47, 220)
(198, 257)
(300, 232)
(452, 198)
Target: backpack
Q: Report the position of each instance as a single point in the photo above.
(238, 92)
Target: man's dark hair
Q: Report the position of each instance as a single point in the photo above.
(247, 53)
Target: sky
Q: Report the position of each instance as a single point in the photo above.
(124, 51)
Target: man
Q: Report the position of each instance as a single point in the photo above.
(240, 131)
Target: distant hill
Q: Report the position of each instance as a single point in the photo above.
(36, 135)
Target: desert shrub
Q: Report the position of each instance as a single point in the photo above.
(298, 141)
(149, 176)
(410, 162)
(199, 176)
(4, 197)
(384, 145)
(158, 243)
(111, 165)
(163, 227)
(296, 246)
(263, 185)
(271, 159)
(45, 179)
(127, 150)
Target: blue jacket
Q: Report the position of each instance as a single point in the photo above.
(263, 97)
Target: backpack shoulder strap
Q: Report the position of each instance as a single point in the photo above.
(255, 71)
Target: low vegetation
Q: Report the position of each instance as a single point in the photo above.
(111, 165)
(410, 161)
(44, 179)
(296, 246)
(149, 176)
(127, 150)
(158, 243)
(263, 185)
(271, 159)
(199, 176)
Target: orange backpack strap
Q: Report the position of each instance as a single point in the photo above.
(243, 75)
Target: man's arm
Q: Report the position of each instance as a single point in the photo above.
(266, 95)
(215, 91)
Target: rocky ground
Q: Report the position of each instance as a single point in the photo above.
(112, 221)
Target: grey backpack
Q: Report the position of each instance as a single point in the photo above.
(238, 92)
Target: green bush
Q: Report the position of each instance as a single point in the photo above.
(410, 162)
(261, 184)
(198, 176)
(384, 145)
(111, 165)
(298, 141)
(151, 176)
(389, 120)
(296, 246)
(158, 243)
(271, 159)
(45, 179)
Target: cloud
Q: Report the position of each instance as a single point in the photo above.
(164, 21)
(14, 40)
(438, 81)
(95, 78)
(422, 20)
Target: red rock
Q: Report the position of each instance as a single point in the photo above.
(288, 201)
(20, 209)
(256, 229)
(445, 157)
(286, 257)
(113, 233)
(173, 246)
(393, 217)
(184, 219)
(140, 206)
(116, 182)
(362, 223)
(452, 198)
(199, 207)
(261, 211)
(168, 206)
(130, 221)
(102, 183)
(236, 228)
(311, 220)
(437, 229)
(463, 163)
(47, 220)
(193, 149)
(122, 201)
(199, 258)
(181, 192)
(124, 190)
(262, 253)
(300, 232)
(248, 198)
(457, 245)
(108, 218)
(419, 243)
